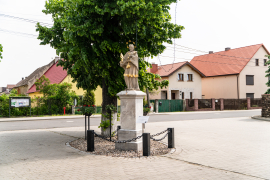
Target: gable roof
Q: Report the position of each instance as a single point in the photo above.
(10, 86)
(169, 69)
(228, 62)
(56, 74)
(31, 79)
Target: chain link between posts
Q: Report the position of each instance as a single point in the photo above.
(168, 131)
(115, 141)
(134, 139)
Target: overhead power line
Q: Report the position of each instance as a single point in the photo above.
(19, 33)
(26, 20)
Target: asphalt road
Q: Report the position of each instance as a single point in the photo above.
(79, 122)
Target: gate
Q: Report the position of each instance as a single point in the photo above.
(169, 105)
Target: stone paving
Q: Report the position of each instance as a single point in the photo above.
(233, 148)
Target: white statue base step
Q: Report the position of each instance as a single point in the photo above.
(131, 109)
(127, 135)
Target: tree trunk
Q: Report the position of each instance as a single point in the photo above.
(107, 100)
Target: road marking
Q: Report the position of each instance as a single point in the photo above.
(70, 121)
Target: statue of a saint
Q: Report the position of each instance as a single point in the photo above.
(130, 63)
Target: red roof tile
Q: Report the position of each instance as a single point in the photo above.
(169, 69)
(56, 74)
(225, 62)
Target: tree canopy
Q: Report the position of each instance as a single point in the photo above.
(90, 35)
(1, 50)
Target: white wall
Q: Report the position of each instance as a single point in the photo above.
(259, 86)
(185, 86)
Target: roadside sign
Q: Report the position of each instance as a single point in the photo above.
(142, 119)
(20, 102)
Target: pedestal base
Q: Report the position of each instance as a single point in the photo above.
(124, 134)
(131, 109)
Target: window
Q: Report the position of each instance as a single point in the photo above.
(190, 77)
(249, 79)
(257, 62)
(183, 95)
(250, 95)
(180, 77)
(190, 95)
(264, 62)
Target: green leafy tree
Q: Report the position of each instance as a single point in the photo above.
(1, 50)
(42, 85)
(89, 98)
(90, 35)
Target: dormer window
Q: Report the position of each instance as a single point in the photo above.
(180, 77)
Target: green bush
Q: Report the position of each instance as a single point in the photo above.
(89, 98)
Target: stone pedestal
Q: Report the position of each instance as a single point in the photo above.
(131, 109)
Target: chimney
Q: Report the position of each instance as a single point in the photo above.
(227, 48)
(154, 68)
(211, 52)
(22, 78)
(56, 59)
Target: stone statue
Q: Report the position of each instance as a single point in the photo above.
(130, 63)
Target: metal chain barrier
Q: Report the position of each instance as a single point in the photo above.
(115, 141)
(134, 139)
(159, 133)
(151, 137)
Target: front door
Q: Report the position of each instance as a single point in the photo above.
(173, 95)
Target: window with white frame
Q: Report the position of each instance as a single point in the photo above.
(190, 77)
(180, 77)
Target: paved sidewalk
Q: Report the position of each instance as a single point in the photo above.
(233, 148)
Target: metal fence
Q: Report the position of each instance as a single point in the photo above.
(255, 102)
(235, 104)
(190, 103)
(204, 103)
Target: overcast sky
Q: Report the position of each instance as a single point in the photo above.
(210, 25)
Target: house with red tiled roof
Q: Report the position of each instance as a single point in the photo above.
(184, 81)
(56, 74)
(26, 83)
(233, 73)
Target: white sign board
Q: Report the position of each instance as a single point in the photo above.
(20, 102)
(142, 119)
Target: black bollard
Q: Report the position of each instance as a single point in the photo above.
(171, 138)
(146, 144)
(90, 140)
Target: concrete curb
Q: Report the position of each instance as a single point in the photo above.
(260, 118)
(43, 118)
